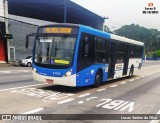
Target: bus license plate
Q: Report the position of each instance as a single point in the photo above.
(49, 81)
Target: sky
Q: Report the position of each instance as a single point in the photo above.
(124, 12)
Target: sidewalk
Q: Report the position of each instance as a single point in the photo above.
(7, 65)
(156, 61)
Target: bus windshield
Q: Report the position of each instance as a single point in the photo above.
(55, 49)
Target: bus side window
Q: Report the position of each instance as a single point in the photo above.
(86, 43)
(120, 53)
(86, 51)
(101, 50)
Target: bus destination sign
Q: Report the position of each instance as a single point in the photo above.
(60, 30)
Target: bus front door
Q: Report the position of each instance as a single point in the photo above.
(112, 59)
(126, 59)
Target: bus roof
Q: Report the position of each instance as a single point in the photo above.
(127, 40)
(112, 36)
(101, 33)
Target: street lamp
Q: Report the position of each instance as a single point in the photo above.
(105, 18)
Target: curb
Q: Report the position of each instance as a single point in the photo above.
(7, 65)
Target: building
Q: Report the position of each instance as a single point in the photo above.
(19, 29)
(3, 31)
(32, 13)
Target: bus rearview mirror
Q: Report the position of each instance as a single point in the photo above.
(27, 42)
(27, 39)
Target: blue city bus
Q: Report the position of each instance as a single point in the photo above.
(78, 55)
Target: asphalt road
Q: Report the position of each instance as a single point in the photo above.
(140, 94)
(11, 77)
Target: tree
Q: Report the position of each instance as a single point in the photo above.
(107, 29)
(151, 37)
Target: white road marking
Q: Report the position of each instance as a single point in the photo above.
(138, 78)
(14, 71)
(8, 89)
(91, 98)
(123, 83)
(102, 89)
(121, 105)
(84, 95)
(156, 121)
(16, 76)
(26, 71)
(131, 80)
(130, 106)
(113, 86)
(65, 101)
(80, 102)
(105, 101)
(151, 73)
(47, 96)
(33, 111)
(5, 72)
(113, 104)
(25, 76)
(154, 72)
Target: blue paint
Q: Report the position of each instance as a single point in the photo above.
(94, 31)
(51, 72)
(86, 77)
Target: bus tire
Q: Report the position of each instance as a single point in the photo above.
(131, 71)
(98, 79)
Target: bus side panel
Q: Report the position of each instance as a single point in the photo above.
(76, 53)
(136, 62)
(118, 71)
(86, 76)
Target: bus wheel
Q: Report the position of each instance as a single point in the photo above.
(98, 79)
(131, 71)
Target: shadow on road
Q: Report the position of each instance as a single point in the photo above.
(66, 89)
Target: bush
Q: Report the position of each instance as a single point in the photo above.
(150, 54)
(157, 53)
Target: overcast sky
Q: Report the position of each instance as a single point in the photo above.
(124, 12)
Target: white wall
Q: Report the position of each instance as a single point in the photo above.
(1, 9)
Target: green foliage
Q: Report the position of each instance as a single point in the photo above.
(157, 53)
(151, 37)
(150, 54)
(107, 29)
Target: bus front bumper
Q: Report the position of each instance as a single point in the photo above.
(65, 81)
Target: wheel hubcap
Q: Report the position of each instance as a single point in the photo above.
(98, 78)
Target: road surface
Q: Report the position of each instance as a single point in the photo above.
(140, 94)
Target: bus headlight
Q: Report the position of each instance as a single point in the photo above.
(69, 73)
(35, 70)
